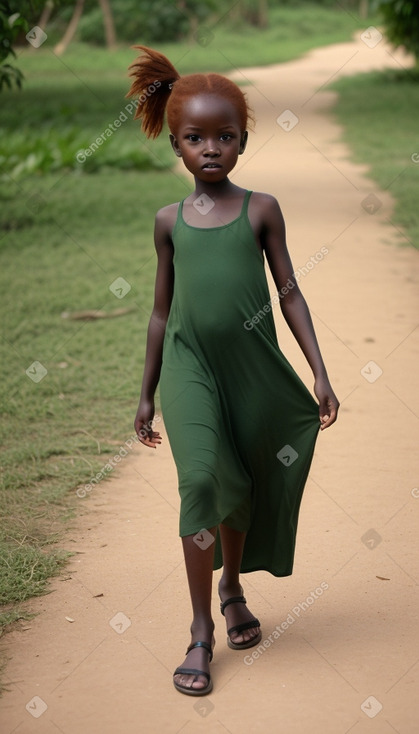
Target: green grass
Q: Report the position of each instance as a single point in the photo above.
(379, 113)
(227, 44)
(67, 231)
(68, 102)
(57, 433)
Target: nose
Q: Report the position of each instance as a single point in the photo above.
(212, 149)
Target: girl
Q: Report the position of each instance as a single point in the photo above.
(241, 424)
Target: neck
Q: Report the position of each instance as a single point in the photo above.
(214, 190)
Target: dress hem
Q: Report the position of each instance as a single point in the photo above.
(277, 574)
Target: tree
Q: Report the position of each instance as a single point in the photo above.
(401, 21)
(18, 17)
(71, 28)
(12, 23)
(108, 23)
(110, 35)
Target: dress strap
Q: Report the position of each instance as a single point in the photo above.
(246, 203)
(179, 212)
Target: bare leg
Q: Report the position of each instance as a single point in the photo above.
(199, 569)
(232, 543)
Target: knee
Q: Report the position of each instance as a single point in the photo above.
(201, 484)
(198, 493)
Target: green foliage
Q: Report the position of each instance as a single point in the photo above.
(11, 24)
(16, 19)
(67, 119)
(379, 113)
(51, 149)
(401, 21)
(148, 20)
(72, 104)
(9, 76)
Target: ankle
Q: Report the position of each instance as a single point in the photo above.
(202, 629)
(230, 586)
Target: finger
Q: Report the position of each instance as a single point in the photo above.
(149, 438)
(328, 419)
(143, 430)
(148, 441)
(324, 411)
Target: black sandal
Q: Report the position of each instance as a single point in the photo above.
(193, 671)
(241, 627)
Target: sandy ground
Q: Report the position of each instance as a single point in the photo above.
(345, 654)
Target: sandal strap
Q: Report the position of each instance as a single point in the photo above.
(191, 671)
(232, 600)
(205, 645)
(244, 626)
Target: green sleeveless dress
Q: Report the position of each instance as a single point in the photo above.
(241, 424)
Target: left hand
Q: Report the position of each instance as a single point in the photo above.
(328, 402)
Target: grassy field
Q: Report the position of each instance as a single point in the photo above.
(68, 101)
(221, 43)
(68, 231)
(56, 433)
(379, 113)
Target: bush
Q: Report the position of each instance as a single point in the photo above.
(401, 21)
(147, 21)
(23, 153)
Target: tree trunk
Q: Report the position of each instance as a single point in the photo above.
(363, 8)
(255, 13)
(46, 14)
(262, 14)
(70, 30)
(110, 34)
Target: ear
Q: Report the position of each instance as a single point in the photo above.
(243, 142)
(175, 145)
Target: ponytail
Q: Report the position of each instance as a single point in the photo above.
(153, 79)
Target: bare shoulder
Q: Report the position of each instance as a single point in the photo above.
(166, 217)
(165, 221)
(263, 199)
(265, 205)
(265, 214)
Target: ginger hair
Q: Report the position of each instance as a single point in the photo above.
(162, 90)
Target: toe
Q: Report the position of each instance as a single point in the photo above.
(190, 681)
(196, 659)
(244, 636)
(240, 638)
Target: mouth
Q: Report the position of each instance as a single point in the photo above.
(207, 166)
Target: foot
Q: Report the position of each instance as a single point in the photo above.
(237, 614)
(197, 659)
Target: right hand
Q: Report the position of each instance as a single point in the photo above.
(143, 425)
(328, 402)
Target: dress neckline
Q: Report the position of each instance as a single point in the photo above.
(243, 211)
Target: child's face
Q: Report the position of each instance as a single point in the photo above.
(208, 137)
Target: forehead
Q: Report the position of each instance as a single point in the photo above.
(203, 110)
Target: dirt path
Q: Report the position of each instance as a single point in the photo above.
(341, 644)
